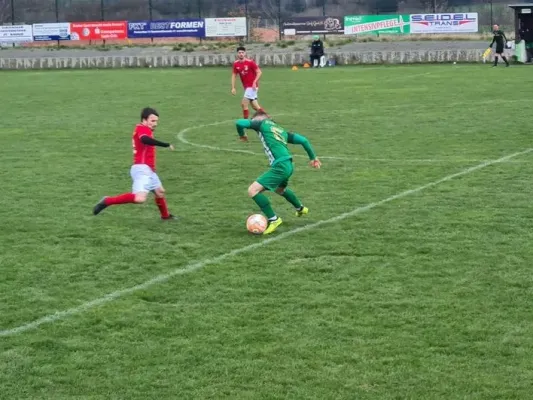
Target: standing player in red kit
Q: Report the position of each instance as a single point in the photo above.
(142, 171)
(250, 73)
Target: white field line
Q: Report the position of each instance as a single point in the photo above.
(61, 315)
(181, 136)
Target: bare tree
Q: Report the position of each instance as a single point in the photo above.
(127, 10)
(434, 5)
(267, 9)
(83, 12)
(5, 11)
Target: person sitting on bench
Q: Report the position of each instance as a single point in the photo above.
(317, 52)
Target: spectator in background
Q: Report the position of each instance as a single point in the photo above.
(527, 35)
(317, 51)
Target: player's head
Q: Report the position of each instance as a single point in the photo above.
(260, 115)
(241, 53)
(495, 27)
(149, 117)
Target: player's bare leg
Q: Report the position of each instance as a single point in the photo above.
(291, 197)
(255, 191)
(256, 106)
(245, 104)
(161, 203)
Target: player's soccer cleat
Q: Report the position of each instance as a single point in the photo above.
(169, 218)
(101, 206)
(302, 212)
(272, 226)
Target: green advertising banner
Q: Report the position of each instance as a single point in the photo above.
(378, 24)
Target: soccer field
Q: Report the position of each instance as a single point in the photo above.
(409, 279)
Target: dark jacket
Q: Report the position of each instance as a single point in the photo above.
(317, 48)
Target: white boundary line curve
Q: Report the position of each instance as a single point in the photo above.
(192, 267)
(181, 136)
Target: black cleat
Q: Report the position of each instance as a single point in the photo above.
(169, 218)
(101, 206)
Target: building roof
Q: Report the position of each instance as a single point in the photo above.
(521, 5)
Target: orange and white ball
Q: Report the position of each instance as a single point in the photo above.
(256, 224)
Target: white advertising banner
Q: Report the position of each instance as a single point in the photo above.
(51, 31)
(225, 27)
(444, 23)
(16, 33)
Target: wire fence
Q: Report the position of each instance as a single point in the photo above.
(263, 15)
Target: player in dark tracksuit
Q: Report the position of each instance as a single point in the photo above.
(500, 40)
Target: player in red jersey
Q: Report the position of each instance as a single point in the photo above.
(142, 171)
(250, 73)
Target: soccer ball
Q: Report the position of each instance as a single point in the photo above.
(256, 224)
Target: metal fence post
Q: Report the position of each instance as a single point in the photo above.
(57, 18)
(491, 16)
(13, 15)
(102, 14)
(200, 14)
(248, 24)
(324, 12)
(279, 18)
(150, 13)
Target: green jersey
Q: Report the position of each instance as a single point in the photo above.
(275, 139)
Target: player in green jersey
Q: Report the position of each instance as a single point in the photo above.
(275, 139)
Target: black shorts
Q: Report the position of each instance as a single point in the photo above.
(499, 49)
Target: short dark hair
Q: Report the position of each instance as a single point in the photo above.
(241, 48)
(147, 111)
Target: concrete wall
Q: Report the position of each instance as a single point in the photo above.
(279, 59)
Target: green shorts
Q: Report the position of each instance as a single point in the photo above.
(277, 176)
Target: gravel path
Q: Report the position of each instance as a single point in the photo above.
(166, 50)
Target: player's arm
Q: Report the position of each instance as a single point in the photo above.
(258, 74)
(150, 141)
(504, 37)
(296, 138)
(243, 124)
(493, 40)
(233, 79)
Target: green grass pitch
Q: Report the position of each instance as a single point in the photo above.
(422, 296)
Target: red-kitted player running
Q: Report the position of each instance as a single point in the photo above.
(249, 73)
(142, 171)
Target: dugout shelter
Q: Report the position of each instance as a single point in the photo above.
(523, 30)
(523, 18)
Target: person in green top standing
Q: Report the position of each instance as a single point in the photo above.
(275, 139)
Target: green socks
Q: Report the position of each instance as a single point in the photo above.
(291, 198)
(264, 204)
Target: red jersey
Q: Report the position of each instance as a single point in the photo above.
(142, 153)
(247, 70)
